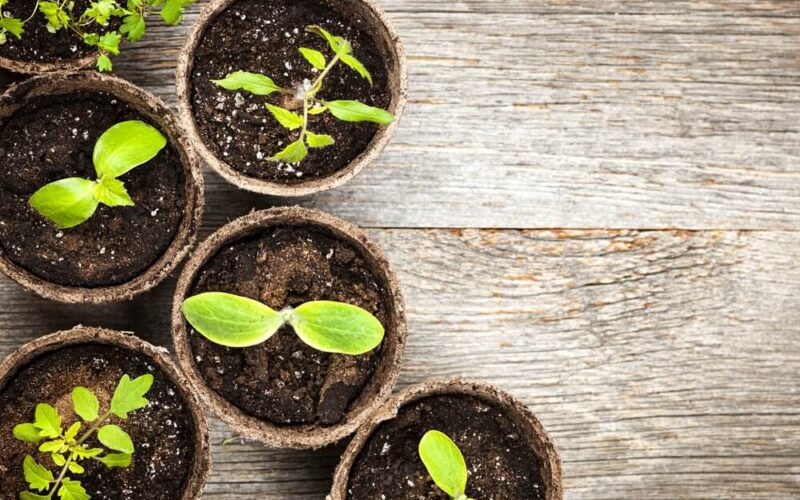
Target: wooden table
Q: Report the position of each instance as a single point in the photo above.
(593, 204)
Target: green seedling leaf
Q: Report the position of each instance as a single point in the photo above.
(101, 11)
(66, 202)
(354, 111)
(12, 25)
(109, 42)
(172, 11)
(56, 17)
(116, 460)
(125, 146)
(52, 446)
(58, 459)
(76, 468)
(27, 495)
(444, 462)
(288, 119)
(72, 431)
(38, 477)
(315, 57)
(133, 26)
(356, 66)
(319, 140)
(113, 437)
(336, 43)
(129, 396)
(293, 153)
(254, 83)
(317, 110)
(112, 192)
(104, 63)
(230, 320)
(336, 327)
(72, 490)
(85, 403)
(27, 432)
(48, 421)
(82, 453)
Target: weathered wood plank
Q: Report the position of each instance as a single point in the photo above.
(527, 113)
(664, 363)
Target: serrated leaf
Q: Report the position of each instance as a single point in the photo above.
(354, 111)
(37, 476)
(104, 63)
(133, 26)
(125, 146)
(254, 83)
(51, 446)
(66, 202)
(338, 44)
(113, 437)
(109, 42)
(356, 65)
(13, 26)
(72, 490)
(444, 463)
(85, 403)
(100, 11)
(72, 431)
(129, 395)
(314, 57)
(116, 460)
(76, 468)
(319, 140)
(82, 453)
(58, 459)
(48, 421)
(336, 327)
(112, 192)
(56, 17)
(172, 11)
(27, 495)
(293, 153)
(288, 119)
(27, 432)
(231, 320)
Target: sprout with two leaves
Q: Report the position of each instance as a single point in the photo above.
(445, 464)
(68, 448)
(345, 110)
(123, 147)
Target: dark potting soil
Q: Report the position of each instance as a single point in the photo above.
(263, 36)
(162, 433)
(283, 380)
(38, 44)
(501, 465)
(52, 138)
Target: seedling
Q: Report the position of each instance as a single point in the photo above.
(67, 449)
(235, 321)
(72, 201)
(349, 111)
(445, 464)
(92, 25)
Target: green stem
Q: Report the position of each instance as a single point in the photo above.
(86, 435)
(61, 476)
(317, 85)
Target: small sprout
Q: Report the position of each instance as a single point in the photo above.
(445, 464)
(71, 201)
(234, 321)
(68, 448)
(349, 111)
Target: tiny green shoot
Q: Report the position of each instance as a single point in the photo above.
(71, 201)
(307, 97)
(66, 449)
(445, 464)
(234, 321)
(92, 26)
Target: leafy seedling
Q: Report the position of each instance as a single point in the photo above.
(68, 448)
(445, 464)
(92, 25)
(234, 321)
(72, 201)
(349, 111)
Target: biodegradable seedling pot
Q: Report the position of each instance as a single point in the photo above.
(507, 451)
(171, 460)
(234, 132)
(48, 127)
(283, 392)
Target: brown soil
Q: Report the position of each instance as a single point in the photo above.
(263, 36)
(283, 380)
(51, 138)
(162, 432)
(502, 466)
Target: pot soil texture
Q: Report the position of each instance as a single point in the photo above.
(263, 36)
(162, 432)
(51, 138)
(283, 380)
(501, 464)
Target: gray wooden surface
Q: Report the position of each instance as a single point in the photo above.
(661, 348)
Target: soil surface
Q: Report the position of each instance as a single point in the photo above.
(52, 138)
(38, 44)
(501, 465)
(283, 380)
(162, 432)
(263, 36)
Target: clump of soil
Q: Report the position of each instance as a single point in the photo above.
(51, 138)
(501, 464)
(263, 36)
(162, 432)
(283, 380)
(37, 43)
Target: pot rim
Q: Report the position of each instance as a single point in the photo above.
(544, 447)
(80, 334)
(39, 67)
(157, 112)
(398, 86)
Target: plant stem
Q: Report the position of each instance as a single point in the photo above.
(61, 476)
(318, 81)
(86, 435)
